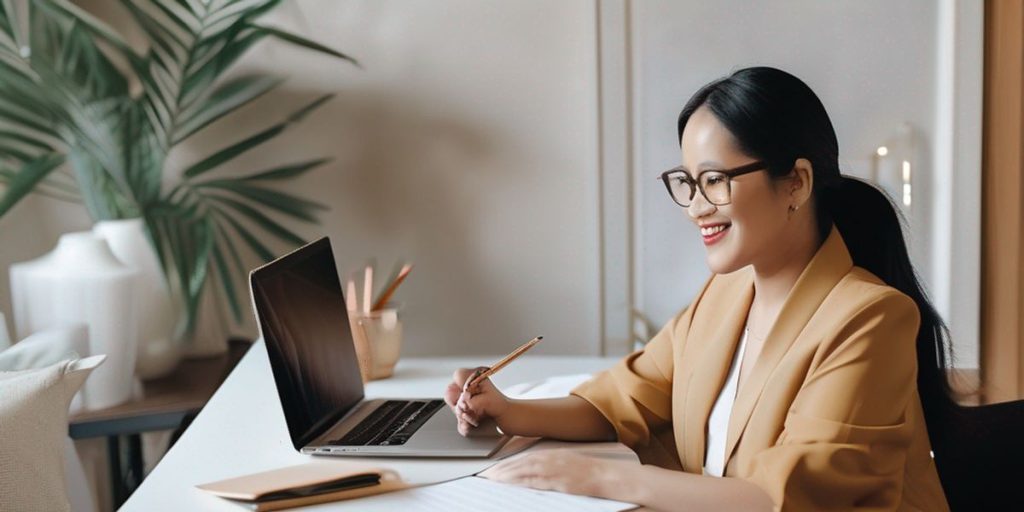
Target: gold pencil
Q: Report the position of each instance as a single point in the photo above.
(485, 373)
(386, 296)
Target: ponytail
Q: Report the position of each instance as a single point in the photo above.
(871, 227)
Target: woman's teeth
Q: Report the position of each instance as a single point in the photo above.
(712, 230)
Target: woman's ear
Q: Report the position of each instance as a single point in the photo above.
(802, 184)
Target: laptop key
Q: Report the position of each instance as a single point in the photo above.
(414, 423)
(370, 427)
(396, 423)
(391, 424)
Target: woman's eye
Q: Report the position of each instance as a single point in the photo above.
(714, 180)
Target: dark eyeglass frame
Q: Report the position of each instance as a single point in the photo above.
(729, 173)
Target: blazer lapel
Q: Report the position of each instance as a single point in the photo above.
(826, 269)
(719, 335)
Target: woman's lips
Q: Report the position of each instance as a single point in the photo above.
(713, 234)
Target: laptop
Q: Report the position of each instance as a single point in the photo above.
(303, 320)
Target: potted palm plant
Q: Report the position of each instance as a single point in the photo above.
(86, 117)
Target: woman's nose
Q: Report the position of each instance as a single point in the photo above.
(700, 206)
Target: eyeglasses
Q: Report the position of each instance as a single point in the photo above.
(714, 184)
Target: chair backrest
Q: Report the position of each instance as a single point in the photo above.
(979, 454)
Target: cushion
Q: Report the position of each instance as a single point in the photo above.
(33, 426)
(46, 347)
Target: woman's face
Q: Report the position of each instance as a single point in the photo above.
(753, 225)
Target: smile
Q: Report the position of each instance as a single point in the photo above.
(712, 234)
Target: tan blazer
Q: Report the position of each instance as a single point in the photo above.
(828, 418)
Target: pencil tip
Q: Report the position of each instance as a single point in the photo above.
(540, 337)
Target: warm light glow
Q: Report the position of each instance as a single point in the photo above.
(906, 171)
(906, 194)
(882, 151)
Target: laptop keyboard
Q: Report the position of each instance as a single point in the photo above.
(391, 424)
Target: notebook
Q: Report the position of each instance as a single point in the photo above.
(305, 484)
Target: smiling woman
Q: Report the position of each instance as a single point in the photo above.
(770, 378)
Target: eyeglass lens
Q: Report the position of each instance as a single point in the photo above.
(715, 186)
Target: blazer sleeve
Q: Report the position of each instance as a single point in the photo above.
(846, 435)
(635, 395)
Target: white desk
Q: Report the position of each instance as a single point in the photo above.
(242, 429)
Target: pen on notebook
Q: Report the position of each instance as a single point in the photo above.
(386, 296)
(485, 373)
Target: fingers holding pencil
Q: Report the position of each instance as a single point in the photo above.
(485, 401)
(471, 395)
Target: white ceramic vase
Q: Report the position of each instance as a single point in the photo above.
(159, 350)
(81, 281)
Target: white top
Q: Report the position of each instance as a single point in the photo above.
(718, 422)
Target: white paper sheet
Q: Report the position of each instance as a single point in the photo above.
(551, 387)
(475, 494)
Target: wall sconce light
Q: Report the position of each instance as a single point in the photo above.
(892, 166)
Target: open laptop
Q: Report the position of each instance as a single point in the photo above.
(304, 324)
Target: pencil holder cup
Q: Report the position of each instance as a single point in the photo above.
(378, 341)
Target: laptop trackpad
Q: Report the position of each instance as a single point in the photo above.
(444, 421)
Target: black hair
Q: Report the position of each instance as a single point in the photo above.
(775, 117)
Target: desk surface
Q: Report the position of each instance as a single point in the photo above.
(242, 428)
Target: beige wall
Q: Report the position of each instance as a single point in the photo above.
(466, 144)
(469, 144)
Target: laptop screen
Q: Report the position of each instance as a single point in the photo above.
(304, 323)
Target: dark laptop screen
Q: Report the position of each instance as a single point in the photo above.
(304, 324)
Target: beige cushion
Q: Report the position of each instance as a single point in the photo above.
(33, 425)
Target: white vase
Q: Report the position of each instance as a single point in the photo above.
(81, 281)
(159, 351)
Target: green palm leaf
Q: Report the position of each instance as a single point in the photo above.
(269, 198)
(227, 154)
(303, 42)
(94, 25)
(251, 240)
(23, 181)
(263, 221)
(228, 270)
(227, 98)
(286, 172)
(64, 95)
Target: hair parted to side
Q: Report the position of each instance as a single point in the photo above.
(775, 117)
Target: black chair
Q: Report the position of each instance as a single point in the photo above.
(979, 453)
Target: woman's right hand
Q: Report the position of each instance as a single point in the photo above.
(480, 401)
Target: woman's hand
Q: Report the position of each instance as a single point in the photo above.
(480, 401)
(557, 470)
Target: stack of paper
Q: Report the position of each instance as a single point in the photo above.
(476, 494)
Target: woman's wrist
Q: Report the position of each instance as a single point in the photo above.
(503, 413)
(616, 480)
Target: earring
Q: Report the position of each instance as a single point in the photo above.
(791, 210)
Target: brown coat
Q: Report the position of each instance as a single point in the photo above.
(828, 418)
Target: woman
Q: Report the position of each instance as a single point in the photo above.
(789, 382)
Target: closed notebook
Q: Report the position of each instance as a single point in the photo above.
(306, 484)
